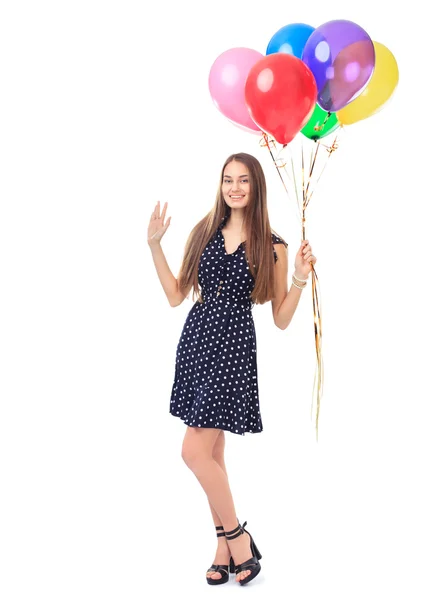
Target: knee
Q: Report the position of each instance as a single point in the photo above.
(218, 449)
(188, 454)
(218, 454)
(192, 456)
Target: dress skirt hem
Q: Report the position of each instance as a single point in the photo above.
(223, 427)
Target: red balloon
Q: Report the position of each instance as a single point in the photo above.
(280, 94)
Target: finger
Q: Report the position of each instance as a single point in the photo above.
(164, 211)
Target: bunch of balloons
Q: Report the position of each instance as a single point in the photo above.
(311, 80)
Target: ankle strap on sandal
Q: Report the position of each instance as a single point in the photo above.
(232, 535)
(220, 528)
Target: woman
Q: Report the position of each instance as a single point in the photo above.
(237, 261)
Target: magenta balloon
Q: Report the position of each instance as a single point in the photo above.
(226, 83)
(341, 56)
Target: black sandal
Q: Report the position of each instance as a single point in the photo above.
(224, 570)
(252, 563)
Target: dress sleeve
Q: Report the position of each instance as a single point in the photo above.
(277, 240)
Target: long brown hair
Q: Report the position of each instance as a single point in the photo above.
(258, 248)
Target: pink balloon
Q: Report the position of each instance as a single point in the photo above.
(226, 83)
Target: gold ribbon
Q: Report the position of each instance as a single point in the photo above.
(307, 189)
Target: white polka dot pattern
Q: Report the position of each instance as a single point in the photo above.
(215, 383)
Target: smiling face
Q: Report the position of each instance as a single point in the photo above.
(236, 184)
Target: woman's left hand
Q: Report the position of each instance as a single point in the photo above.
(303, 261)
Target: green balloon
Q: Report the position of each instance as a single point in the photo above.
(320, 124)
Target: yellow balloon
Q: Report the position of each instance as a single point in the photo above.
(377, 92)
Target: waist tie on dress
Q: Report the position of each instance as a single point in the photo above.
(244, 303)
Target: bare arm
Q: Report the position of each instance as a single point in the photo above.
(156, 230)
(285, 302)
(166, 277)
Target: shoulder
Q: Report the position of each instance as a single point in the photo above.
(276, 239)
(280, 253)
(279, 247)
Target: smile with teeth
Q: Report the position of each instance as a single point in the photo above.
(236, 197)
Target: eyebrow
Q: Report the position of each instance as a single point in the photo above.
(229, 176)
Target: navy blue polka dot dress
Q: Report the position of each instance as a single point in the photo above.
(215, 383)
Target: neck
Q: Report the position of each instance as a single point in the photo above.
(236, 218)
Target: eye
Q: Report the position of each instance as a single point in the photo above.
(245, 181)
(227, 180)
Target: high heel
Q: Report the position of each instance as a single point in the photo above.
(222, 569)
(252, 563)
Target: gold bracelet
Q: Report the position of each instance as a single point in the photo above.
(301, 280)
(298, 286)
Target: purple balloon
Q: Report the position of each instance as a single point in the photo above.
(341, 56)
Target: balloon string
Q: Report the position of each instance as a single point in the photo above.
(329, 149)
(295, 184)
(304, 191)
(266, 143)
(313, 162)
(308, 187)
(319, 375)
(318, 378)
(320, 127)
(326, 119)
(280, 166)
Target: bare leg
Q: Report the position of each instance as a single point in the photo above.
(223, 554)
(218, 455)
(197, 453)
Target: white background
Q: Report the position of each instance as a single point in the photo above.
(105, 109)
